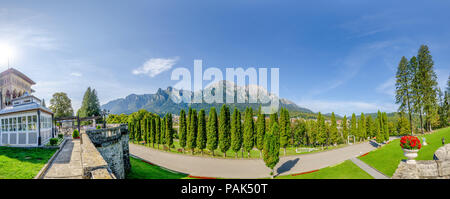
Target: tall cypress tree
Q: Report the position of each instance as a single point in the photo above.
(403, 86)
(248, 131)
(224, 130)
(379, 134)
(334, 136)
(163, 130)
(362, 127)
(213, 131)
(158, 130)
(344, 129)
(271, 148)
(370, 128)
(236, 137)
(284, 137)
(353, 127)
(273, 118)
(183, 129)
(428, 85)
(380, 126)
(192, 134)
(201, 133)
(260, 131)
(385, 126)
(153, 131)
(169, 130)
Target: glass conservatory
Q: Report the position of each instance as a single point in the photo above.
(26, 123)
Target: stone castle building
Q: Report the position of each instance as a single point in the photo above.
(13, 84)
(24, 121)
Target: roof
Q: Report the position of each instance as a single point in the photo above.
(18, 73)
(25, 107)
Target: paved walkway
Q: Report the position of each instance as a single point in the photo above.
(67, 164)
(242, 168)
(368, 169)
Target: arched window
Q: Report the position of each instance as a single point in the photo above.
(7, 97)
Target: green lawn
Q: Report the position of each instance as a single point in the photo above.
(23, 163)
(232, 155)
(387, 158)
(345, 170)
(142, 170)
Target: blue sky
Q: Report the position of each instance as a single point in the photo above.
(336, 56)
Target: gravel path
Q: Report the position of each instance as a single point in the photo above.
(242, 168)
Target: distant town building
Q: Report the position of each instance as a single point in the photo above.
(24, 121)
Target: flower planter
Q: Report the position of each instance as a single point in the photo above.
(411, 155)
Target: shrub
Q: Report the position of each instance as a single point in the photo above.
(99, 127)
(75, 134)
(410, 142)
(53, 141)
(61, 136)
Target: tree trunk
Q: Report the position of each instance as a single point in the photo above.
(248, 154)
(285, 151)
(260, 153)
(212, 151)
(421, 121)
(225, 154)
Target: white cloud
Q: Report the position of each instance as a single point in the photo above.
(76, 74)
(155, 66)
(387, 87)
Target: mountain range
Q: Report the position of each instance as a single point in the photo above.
(162, 101)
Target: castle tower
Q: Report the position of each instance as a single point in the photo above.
(13, 84)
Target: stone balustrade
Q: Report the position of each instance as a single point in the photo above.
(439, 168)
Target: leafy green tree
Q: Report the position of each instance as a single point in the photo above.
(224, 130)
(321, 137)
(61, 105)
(248, 131)
(260, 131)
(90, 105)
(193, 129)
(236, 136)
(183, 129)
(271, 148)
(201, 135)
(213, 131)
(403, 125)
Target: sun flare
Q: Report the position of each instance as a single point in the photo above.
(7, 53)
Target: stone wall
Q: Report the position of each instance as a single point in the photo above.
(439, 168)
(93, 164)
(112, 145)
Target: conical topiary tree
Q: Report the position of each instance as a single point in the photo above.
(271, 148)
(212, 131)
